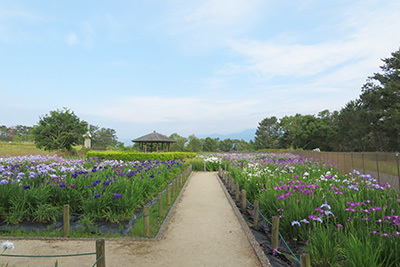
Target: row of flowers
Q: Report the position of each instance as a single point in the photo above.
(43, 184)
(333, 215)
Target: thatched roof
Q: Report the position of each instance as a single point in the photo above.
(153, 137)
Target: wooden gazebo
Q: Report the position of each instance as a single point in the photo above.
(154, 142)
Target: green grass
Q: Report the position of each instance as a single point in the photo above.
(14, 149)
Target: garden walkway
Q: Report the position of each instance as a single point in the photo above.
(204, 231)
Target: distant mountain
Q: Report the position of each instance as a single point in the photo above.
(246, 135)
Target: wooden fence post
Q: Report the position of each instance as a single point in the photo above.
(66, 220)
(305, 260)
(274, 232)
(146, 221)
(169, 195)
(173, 188)
(237, 193)
(160, 205)
(244, 202)
(101, 253)
(256, 214)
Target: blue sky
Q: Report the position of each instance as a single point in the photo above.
(190, 67)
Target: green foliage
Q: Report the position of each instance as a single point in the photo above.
(138, 156)
(179, 144)
(61, 129)
(267, 134)
(226, 145)
(102, 138)
(372, 122)
(210, 144)
(298, 132)
(194, 144)
(18, 133)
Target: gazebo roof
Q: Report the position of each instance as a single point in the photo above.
(154, 137)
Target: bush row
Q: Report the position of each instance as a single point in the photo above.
(137, 156)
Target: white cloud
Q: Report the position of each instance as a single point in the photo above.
(373, 34)
(72, 39)
(12, 22)
(273, 59)
(198, 114)
(17, 14)
(209, 23)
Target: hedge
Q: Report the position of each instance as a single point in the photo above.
(137, 156)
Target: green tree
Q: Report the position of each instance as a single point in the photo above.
(226, 145)
(179, 144)
(194, 144)
(244, 146)
(380, 99)
(305, 132)
(5, 133)
(352, 129)
(103, 137)
(22, 133)
(210, 144)
(61, 129)
(267, 133)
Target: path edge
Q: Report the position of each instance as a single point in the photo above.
(253, 242)
(171, 212)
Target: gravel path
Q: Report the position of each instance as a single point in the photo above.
(204, 231)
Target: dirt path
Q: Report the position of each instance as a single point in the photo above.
(204, 231)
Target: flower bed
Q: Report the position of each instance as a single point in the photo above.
(35, 188)
(346, 220)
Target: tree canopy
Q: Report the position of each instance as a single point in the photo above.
(60, 129)
(103, 137)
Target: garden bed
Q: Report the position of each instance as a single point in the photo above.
(104, 197)
(346, 220)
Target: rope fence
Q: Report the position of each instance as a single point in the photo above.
(100, 254)
(276, 236)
